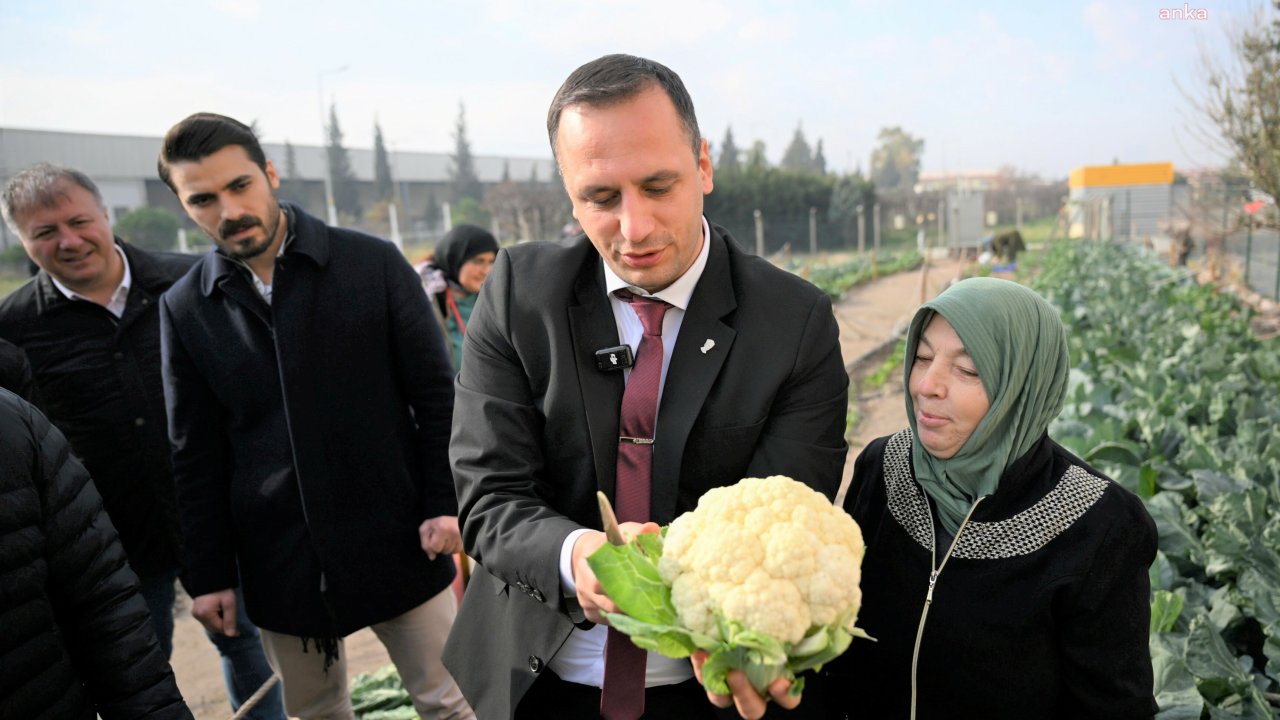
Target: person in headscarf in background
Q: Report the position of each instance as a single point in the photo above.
(1004, 577)
(452, 279)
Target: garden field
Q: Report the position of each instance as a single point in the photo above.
(1173, 396)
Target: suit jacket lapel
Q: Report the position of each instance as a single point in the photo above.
(691, 374)
(591, 328)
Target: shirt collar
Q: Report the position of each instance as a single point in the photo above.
(264, 289)
(117, 295)
(676, 294)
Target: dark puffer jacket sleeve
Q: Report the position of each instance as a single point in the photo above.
(102, 619)
(15, 373)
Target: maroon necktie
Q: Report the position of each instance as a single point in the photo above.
(622, 697)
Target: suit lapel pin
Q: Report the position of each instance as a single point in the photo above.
(707, 345)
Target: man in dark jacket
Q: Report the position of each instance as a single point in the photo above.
(74, 634)
(310, 394)
(89, 323)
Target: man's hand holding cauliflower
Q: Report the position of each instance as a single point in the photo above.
(761, 577)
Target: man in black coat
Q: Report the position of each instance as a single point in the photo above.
(75, 640)
(89, 323)
(309, 394)
(754, 385)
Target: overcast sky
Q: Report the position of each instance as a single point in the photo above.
(1042, 86)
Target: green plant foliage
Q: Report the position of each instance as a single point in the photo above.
(835, 280)
(470, 212)
(629, 574)
(783, 197)
(887, 369)
(14, 256)
(150, 228)
(346, 196)
(1173, 396)
(381, 696)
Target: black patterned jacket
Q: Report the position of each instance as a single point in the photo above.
(1042, 611)
(98, 378)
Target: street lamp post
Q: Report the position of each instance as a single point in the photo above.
(330, 207)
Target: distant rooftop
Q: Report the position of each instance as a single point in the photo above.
(132, 156)
(1117, 175)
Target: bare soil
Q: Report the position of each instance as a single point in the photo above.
(198, 668)
(870, 316)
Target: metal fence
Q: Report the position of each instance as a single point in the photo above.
(1256, 253)
(1210, 210)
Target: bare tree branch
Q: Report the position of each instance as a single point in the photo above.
(1240, 102)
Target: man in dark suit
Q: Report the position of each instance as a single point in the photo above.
(752, 383)
(309, 394)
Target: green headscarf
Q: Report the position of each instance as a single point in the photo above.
(1019, 346)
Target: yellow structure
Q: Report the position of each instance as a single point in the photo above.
(1095, 176)
(1120, 201)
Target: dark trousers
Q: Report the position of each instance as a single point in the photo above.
(551, 698)
(245, 667)
(159, 593)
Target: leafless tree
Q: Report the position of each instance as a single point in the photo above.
(530, 210)
(1239, 104)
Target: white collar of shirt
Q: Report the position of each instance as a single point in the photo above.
(264, 289)
(581, 658)
(119, 298)
(676, 294)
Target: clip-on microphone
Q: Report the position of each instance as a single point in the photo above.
(614, 358)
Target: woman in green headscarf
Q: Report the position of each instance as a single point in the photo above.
(1004, 577)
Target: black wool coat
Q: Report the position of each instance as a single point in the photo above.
(75, 636)
(98, 379)
(310, 436)
(1042, 610)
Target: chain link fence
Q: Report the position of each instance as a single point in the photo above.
(1257, 255)
(1208, 209)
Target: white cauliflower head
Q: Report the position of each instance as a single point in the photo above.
(770, 553)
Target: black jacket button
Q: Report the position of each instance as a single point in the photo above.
(535, 663)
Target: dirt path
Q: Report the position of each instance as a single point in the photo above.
(868, 316)
(199, 670)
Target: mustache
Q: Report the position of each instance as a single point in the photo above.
(231, 227)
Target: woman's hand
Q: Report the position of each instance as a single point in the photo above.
(745, 698)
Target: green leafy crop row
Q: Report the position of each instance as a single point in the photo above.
(1173, 396)
(836, 279)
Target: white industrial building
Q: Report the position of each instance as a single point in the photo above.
(124, 167)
